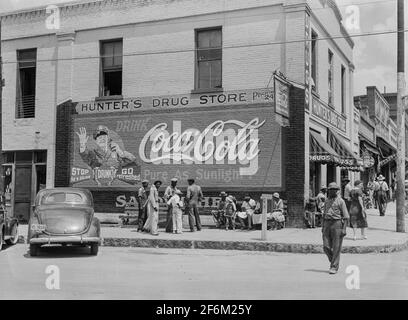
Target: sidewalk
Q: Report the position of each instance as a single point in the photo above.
(381, 238)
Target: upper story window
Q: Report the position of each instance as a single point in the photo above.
(26, 74)
(208, 59)
(343, 89)
(330, 79)
(314, 60)
(111, 68)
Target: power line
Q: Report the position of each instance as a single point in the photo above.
(222, 47)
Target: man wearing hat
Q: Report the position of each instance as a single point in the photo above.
(107, 152)
(334, 224)
(382, 189)
(176, 204)
(170, 191)
(142, 197)
(194, 196)
(277, 203)
(153, 209)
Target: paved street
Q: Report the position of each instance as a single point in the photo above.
(137, 273)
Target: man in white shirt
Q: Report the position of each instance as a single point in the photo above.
(176, 204)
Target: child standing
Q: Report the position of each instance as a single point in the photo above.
(177, 204)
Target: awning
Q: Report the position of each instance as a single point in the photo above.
(345, 152)
(320, 150)
(369, 146)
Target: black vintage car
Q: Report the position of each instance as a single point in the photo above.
(8, 226)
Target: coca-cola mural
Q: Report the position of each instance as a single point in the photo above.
(220, 147)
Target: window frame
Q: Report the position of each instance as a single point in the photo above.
(197, 89)
(19, 93)
(330, 79)
(102, 70)
(314, 60)
(343, 89)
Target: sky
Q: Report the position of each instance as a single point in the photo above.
(374, 56)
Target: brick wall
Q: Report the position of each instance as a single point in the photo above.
(63, 143)
(295, 166)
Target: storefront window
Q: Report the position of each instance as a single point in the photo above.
(8, 179)
(41, 173)
(314, 178)
(40, 157)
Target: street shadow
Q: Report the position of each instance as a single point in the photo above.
(316, 270)
(61, 252)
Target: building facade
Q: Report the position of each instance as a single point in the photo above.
(222, 91)
(378, 135)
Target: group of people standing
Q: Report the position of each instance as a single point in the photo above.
(148, 199)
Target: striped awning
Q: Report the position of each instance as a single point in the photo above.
(350, 160)
(323, 152)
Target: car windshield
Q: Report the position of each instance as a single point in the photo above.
(63, 197)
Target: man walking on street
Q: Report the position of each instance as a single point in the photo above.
(334, 224)
(194, 196)
(382, 189)
(170, 191)
(142, 197)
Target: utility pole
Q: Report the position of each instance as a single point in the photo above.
(400, 119)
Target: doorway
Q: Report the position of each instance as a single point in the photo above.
(24, 174)
(22, 192)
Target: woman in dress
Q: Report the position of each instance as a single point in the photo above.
(358, 216)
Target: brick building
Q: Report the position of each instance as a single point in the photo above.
(177, 88)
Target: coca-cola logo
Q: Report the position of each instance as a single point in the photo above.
(221, 142)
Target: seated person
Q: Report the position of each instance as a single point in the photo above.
(248, 207)
(219, 213)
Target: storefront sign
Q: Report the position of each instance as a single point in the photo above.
(220, 149)
(282, 100)
(328, 115)
(387, 160)
(368, 160)
(226, 98)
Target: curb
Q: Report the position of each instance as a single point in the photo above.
(241, 245)
(247, 246)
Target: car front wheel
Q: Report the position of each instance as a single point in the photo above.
(34, 249)
(14, 236)
(94, 249)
